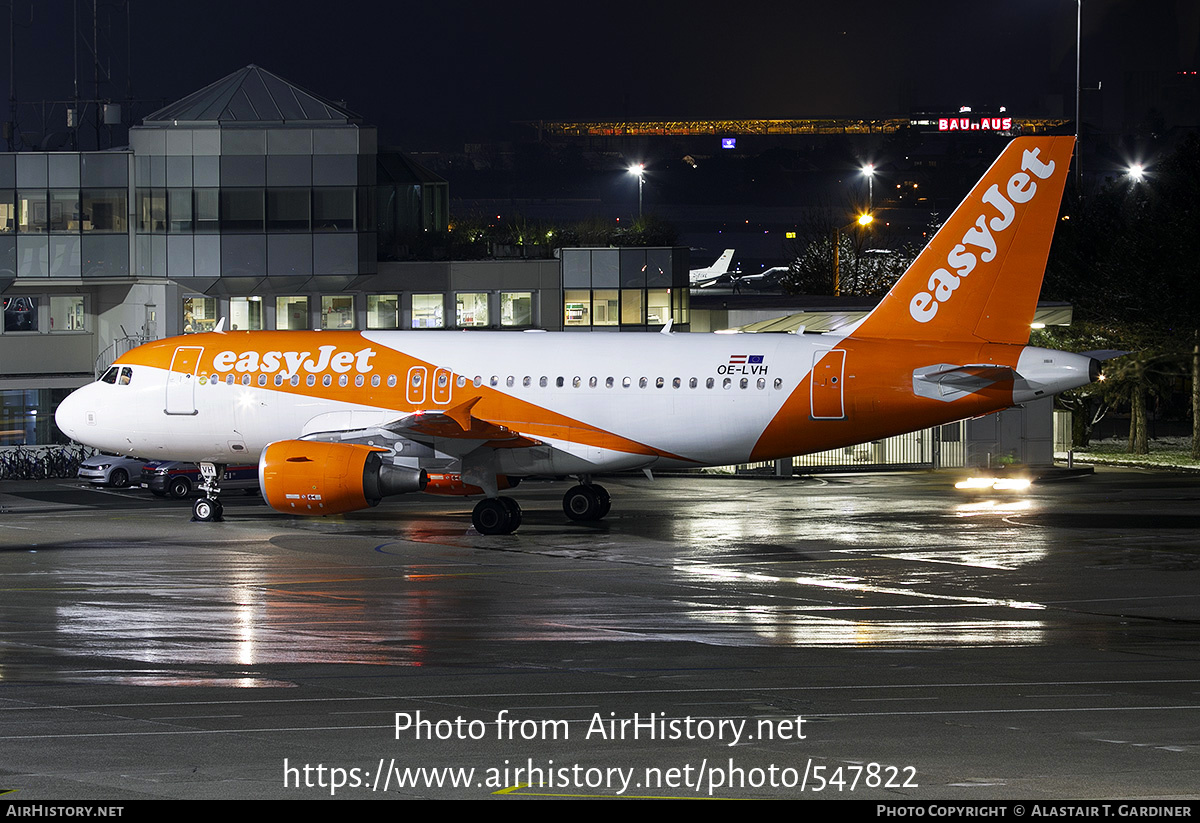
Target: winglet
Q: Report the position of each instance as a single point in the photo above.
(461, 414)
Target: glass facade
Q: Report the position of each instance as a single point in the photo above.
(633, 288)
(383, 311)
(516, 308)
(245, 313)
(472, 309)
(291, 313)
(199, 314)
(27, 416)
(68, 313)
(337, 311)
(427, 311)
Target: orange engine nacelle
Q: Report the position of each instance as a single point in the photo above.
(315, 477)
(452, 484)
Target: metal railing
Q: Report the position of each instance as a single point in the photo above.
(941, 447)
(115, 349)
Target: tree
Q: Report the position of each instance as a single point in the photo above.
(1129, 260)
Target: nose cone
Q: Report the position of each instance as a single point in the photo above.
(71, 414)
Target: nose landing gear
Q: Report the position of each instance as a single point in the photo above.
(208, 508)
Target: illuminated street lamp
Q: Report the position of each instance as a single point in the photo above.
(869, 172)
(638, 170)
(1136, 172)
(862, 221)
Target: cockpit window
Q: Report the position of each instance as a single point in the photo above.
(126, 375)
(110, 376)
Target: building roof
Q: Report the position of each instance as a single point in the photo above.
(252, 95)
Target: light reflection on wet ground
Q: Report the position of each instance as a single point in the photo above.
(849, 563)
(739, 588)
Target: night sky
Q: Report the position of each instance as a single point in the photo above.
(449, 73)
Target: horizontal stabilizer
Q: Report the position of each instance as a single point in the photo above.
(947, 382)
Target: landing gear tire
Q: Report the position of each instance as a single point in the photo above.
(586, 502)
(605, 501)
(496, 515)
(207, 511)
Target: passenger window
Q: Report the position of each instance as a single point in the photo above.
(558, 382)
(592, 381)
(391, 381)
(228, 379)
(326, 381)
(744, 382)
(708, 384)
(762, 383)
(278, 379)
(262, 380)
(692, 383)
(726, 383)
(576, 382)
(659, 383)
(358, 380)
(528, 380)
(343, 381)
(778, 383)
(542, 381)
(509, 382)
(608, 382)
(626, 382)
(311, 380)
(642, 383)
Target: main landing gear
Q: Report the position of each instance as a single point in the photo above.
(586, 502)
(208, 508)
(496, 515)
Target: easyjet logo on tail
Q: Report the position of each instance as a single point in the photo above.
(293, 361)
(979, 243)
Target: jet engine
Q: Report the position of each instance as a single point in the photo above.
(317, 477)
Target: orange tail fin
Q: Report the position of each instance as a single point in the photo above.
(980, 276)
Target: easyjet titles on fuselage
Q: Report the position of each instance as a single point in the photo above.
(293, 361)
(1020, 188)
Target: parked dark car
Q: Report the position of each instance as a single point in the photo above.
(179, 480)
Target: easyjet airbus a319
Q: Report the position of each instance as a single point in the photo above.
(339, 420)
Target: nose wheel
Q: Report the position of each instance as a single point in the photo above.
(208, 508)
(207, 511)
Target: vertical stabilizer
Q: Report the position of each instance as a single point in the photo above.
(980, 276)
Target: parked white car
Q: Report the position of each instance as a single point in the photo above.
(111, 470)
